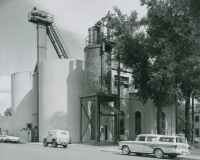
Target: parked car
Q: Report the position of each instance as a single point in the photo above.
(159, 145)
(4, 137)
(57, 137)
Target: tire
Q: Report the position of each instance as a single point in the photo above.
(2, 141)
(139, 154)
(159, 153)
(64, 146)
(126, 150)
(172, 156)
(45, 144)
(54, 144)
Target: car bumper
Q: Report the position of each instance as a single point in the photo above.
(13, 140)
(62, 143)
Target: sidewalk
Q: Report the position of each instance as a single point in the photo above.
(193, 155)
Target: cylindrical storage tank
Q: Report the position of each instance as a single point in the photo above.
(93, 69)
(23, 100)
(61, 81)
(95, 32)
(90, 32)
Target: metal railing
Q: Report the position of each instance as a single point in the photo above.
(36, 15)
(97, 38)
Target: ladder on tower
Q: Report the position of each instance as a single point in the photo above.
(57, 41)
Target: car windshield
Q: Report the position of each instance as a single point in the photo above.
(167, 139)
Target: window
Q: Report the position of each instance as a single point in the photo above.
(151, 139)
(197, 131)
(141, 138)
(167, 139)
(137, 123)
(180, 140)
(183, 140)
(124, 81)
(196, 118)
(63, 133)
(29, 125)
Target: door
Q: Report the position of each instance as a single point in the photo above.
(138, 145)
(149, 144)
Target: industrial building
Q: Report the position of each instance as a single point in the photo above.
(81, 97)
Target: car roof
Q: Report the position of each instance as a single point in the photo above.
(160, 135)
(59, 130)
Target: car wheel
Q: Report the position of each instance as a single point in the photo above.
(2, 141)
(126, 150)
(54, 144)
(172, 156)
(64, 146)
(159, 153)
(45, 144)
(139, 154)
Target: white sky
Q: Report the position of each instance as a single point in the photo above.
(72, 18)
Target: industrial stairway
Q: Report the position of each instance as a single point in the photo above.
(57, 41)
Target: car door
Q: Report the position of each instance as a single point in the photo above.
(149, 144)
(138, 145)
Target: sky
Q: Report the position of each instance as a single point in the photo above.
(72, 18)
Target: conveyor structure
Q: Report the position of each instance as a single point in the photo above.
(37, 16)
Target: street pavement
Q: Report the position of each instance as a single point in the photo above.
(36, 151)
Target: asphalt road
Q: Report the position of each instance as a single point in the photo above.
(15, 151)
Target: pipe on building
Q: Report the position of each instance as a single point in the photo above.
(95, 32)
(109, 33)
(101, 32)
(90, 34)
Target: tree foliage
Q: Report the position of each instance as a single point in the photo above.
(8, 112)
(165, 60)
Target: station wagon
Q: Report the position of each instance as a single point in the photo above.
(159, 145)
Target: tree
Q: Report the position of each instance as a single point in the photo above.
(8, 112)
(165, 61)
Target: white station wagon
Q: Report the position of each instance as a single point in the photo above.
(159, 145)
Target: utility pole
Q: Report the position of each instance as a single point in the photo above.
(118, 93)
(176, 111)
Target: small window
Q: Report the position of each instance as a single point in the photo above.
(63, 133)
(141, 138)
(197, 131)
(151, 139)
(196, 118)
(183, 140)
(180, 140)
(166, 139)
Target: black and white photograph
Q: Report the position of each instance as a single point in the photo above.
(99, 79)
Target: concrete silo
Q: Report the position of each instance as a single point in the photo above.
(24, 100)
(60, 81)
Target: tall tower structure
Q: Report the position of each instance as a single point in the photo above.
(45, 26)
(41, 19)
(97, 51)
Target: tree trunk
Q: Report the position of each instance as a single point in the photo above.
(159, 119)
(187, 117)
